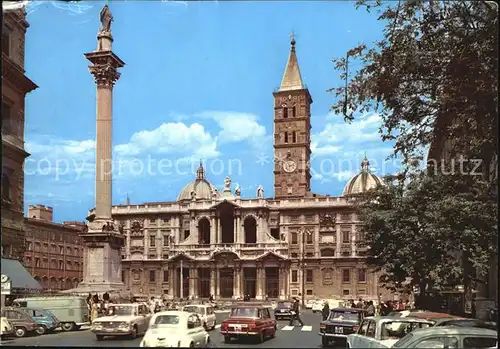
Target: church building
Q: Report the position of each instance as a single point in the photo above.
(211, 242)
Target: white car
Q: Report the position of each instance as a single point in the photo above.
(206, 313)
(317, 307)
(384, 331)
(310, 303)
(175, 329)
(6, 327)
(127, 320)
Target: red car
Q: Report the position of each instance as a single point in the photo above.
(249, 320)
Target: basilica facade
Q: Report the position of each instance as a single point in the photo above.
(211, 242)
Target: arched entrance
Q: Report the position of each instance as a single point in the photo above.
(250, 226)
(250, 282)
(226, 217)
(226, 262)
(204, 231)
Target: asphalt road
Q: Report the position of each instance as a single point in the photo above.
(289, 337)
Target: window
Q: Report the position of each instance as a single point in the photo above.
(152, 241)
(165, 276)
(370, 332)
(69, 266)
(165, 240)
(345, 237)
(295, 254)
(309, 275)
(440, 342)
(345, 292)
(123, 275)
(295, 276)
(346, 253)
(480, 342)
(165, 256)
(8, 122)
(361, 291)
(309, 292)
(61, 250)
(152, 220)
(362, 275)
(275, 233)
(295, 292)
(152, 276)
(61, 265)
(6, 35)
(286, 137)
(294, 239)
(293, 112)
(294, 137)
(165, 219)
(346, 275)
(6, 187)
(267, 315)
(285, 112)
(309, 254)
(309, 239)
(186, 234)
(363, 328)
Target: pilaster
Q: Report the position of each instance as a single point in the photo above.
(213, 230)
(213, 281)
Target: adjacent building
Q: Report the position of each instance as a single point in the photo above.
(54, 251)
(15, 86)
(211, 242)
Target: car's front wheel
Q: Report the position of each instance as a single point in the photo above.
(41, 329)
(20, 332)
(133, 334)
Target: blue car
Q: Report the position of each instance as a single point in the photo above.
(45, 320)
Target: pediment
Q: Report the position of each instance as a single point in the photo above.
(269, 256)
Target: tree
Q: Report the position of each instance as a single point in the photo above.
(421, 229)
(434, 74)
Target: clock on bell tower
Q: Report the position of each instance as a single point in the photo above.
(292, 129)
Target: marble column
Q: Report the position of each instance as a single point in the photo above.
(192, 282)
(237, 236)
(213, 231)
(104, 260)
(260, 280)
(217, 288)
(219, 230)
(282, 283)
(236, 282)
(213, 281)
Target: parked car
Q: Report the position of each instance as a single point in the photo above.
(23, 323)
(406, 313)
(433, 316)
(466, 323)
(128, 320)
(71, 311)
(176, 329)
(248, 320)
(310, 303)
(45, 320)
(318, 307)
(283, 310)
(6, 328)
(384, 331)
(206, 313)
(449, 337)
(340, 323)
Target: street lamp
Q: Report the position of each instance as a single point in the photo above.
(303, 232)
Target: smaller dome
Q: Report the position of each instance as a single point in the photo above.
(200, 186)
(363, 181)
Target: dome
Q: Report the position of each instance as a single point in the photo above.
(200, 186)
(363, 181)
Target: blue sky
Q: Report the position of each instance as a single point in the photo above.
(198, 83)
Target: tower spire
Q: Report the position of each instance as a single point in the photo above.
(292, 80)
(200, 172)
(365, 164)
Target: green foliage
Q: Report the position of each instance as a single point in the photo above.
(434, 74)
(421, 230)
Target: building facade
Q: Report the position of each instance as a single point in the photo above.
(15, 86)
(54, 251)
(216, 243)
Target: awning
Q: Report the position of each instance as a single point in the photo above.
(21, 279)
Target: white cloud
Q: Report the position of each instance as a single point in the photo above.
(172, 138)
(238, 127)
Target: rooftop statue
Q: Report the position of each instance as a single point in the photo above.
(106, 19)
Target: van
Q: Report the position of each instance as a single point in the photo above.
(71, 311)
(206, 313)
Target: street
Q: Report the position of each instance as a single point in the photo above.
(305, 337)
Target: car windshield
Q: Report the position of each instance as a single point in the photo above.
(284, 304)
(399, 329)
(192, 309)
(395, 314)
(124, 310)
(167, 320)
(343, 315)
(244, 312)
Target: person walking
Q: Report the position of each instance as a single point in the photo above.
(370, 311)
(326, 310)
(94, 312)
(296, 313)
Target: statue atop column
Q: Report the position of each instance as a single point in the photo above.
(215, 193)
(237, 190)
(106, 19)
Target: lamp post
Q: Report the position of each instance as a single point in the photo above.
(303, 232)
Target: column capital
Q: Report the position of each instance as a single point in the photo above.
(105, 75)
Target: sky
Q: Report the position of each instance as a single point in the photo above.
(197, 84)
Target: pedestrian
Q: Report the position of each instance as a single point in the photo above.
(359, 305)
(94, 312)
(370, 311)
(326, 310)
(352, 305)
(152, 305)
(296, 313)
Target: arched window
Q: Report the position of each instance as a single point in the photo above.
(286, 137)
(250, 226)
(294, 137)
(203, 231)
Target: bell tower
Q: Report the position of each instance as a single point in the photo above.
(292, 133)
